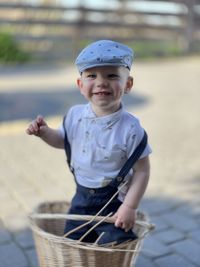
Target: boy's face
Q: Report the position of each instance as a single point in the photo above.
(104, 86)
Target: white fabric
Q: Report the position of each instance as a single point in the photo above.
(101, 145)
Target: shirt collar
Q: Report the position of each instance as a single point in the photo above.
(107, 120)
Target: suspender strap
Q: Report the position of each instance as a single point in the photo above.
(130, 162)
(67, 145)
(134, 157)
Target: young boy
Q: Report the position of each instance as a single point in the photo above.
(99, 138)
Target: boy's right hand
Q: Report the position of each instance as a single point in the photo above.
(37, 127)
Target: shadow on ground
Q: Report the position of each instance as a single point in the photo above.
(27, 105)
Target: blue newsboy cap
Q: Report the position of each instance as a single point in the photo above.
(104, 53)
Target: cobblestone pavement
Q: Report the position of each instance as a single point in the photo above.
(167, 101)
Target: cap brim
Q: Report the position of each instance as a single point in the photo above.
(103, 64)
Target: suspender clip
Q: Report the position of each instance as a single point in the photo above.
(119, 178)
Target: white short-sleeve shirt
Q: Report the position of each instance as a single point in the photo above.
(101, 145)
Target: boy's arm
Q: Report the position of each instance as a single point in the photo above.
(126, 214)
(52, 137)
(138, 183)
(39, 128)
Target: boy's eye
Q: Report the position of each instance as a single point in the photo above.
(113, 75)
(91, 75)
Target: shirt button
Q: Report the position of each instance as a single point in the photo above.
(92, 191)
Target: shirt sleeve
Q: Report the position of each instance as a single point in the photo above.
(61, 130)
(65, 123)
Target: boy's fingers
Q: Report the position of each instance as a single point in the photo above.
(28, 131)
(125, 226)
(118, 223)
(40, 120)
(34, 126)
(128, 227)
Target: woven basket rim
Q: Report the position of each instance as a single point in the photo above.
(75, 243)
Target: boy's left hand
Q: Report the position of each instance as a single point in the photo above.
(125, 217)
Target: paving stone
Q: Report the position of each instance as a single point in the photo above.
(5, 236)
(160, 224)
(153, 248)
(144, 262)
(11, 255)
(180, 222)
(169, 236)
(32, 256)
(191, 210)
(189, 250)
(195, 235)
(24, 239)
(172, 261)
(156, 206)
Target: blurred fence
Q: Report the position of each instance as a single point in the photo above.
(57, 31)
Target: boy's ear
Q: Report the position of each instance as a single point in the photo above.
(129, 84)
(79, 83)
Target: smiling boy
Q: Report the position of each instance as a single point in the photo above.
(101, 137)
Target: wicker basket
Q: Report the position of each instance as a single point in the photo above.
(54, 250)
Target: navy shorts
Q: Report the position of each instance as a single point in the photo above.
(89, 201)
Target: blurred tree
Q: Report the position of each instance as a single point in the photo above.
(9, 50)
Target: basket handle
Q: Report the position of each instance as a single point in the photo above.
(76, 217)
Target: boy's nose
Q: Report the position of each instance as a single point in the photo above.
(102, 82)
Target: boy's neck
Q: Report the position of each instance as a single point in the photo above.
(100, 112)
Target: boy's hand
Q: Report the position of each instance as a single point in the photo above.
(37, 126)
(125, 217)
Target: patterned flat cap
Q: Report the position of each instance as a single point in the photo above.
(104, 53)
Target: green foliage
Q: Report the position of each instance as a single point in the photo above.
(10, 51)
(153, 49)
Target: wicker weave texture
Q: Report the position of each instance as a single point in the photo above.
(54, 250)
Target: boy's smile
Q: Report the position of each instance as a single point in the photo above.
(104, 86)
(102, 93)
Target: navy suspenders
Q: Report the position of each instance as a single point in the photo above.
(126, 167)
(134, 157)
(131, 161)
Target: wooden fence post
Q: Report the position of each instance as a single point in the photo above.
(189, 29)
